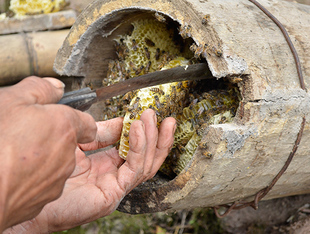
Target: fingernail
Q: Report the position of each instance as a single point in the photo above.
(55, 82)
(174, 128)
(155, 119)
(142, 124)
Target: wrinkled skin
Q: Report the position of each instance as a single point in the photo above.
(98, 182)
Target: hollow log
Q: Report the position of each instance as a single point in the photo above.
(246, 46)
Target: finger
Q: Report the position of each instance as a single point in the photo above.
(36, 90)
(83, 124)
(164, 143)
(108, 132)
(131, 172)
(151, 132)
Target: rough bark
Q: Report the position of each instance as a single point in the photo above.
(248, 153)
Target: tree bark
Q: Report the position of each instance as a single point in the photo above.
(248, 153)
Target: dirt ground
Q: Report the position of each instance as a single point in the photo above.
(283, 215)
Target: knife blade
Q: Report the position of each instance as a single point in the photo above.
(82, 99)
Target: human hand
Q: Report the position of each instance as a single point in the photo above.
(100, 181)
(38, 142)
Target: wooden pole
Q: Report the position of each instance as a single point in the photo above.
(245, 44)
(28, 54)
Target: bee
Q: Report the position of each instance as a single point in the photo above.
(157, 103)
(194, 102)
(147, 53)
(206, 95)
(134, 45)
(186, 83)
(139, 70)
(132, 66)
(217, 51)
(116, 145)
(157, 90)
(179, 86)
(132, 115)
(235, 80)
(157, 54)
(193, 47)
(162, 64)
(185, 31)
(149, 42)
(205, 19)
(207, 154)
(223, 120)
(200, 111)
(126, 134)
(206, 50)
(173, 93)
(160, 17)
(181, 149)
(151, 107)
(111, 65)
(121, 49)
(127, 96)
(134, 112)
(180, 95)
(159, 118)
(148, 66)
(198, 51)
(136, 103)
(191, 97)
(126, 74)
(113, 109)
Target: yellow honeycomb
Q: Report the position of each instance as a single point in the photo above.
(157, 98)
(149, 47)
(33, 7)
(153, 46)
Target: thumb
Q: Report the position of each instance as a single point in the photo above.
(37, 90)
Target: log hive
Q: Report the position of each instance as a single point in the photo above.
(245, 46)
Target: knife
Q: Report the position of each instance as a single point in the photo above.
(82, 99)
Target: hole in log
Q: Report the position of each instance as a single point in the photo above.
(136, 42)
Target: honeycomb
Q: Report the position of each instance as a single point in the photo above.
(153, 45)
(34, 7)
(159, 98)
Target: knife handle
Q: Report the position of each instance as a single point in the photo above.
(81, 99)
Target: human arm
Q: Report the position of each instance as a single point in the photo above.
(101, 180)
(38, 141)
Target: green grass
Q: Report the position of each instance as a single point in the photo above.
(200, 220)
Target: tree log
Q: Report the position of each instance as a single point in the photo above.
(248, 153)
(29, 54)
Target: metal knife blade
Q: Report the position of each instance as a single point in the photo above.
(84, 98)
(190, 72)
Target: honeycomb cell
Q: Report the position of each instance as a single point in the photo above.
(151, 47)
